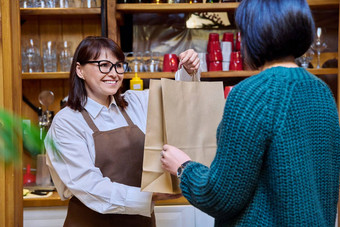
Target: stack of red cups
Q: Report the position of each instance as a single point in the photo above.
(236, 61)
(214, 56)
(235, 57)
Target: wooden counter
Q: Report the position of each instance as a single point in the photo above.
(54, 200)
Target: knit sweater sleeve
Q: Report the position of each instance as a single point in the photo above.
(242, 136)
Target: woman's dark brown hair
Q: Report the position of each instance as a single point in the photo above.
(90, 49)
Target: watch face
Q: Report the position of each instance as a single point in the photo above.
(179, 171)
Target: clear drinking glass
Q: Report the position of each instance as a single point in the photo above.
(147, 60)
(89, 3)
(43, 174)
(319, 45)
(65, 3)
(39, 3)
(137, 64)
(128, 56)
(26, 3)
(154, 62)
(65, 56)
(50, 56)
(306, 58)
(31, 60)
(50, 3)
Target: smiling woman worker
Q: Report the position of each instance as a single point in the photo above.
(99, 138)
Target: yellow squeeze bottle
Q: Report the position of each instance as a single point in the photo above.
(136, 83)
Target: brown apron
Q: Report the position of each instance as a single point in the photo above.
(119, 156)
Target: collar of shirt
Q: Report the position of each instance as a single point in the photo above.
(94, 108)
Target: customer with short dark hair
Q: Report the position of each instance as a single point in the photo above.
(278, 145)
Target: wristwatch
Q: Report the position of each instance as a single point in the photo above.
(181, 168)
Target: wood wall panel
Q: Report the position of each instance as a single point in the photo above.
(113, 28)
(90, 26)
(10, 96)
(3, 207)
(72, 31)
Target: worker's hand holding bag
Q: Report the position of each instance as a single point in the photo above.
(185, 115)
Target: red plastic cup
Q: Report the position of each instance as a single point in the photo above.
(228, 37)
(215, 56)
(170, 63)
(236, 61)
(227, 89)
(214, 37)
(214, 46)
(215, 66)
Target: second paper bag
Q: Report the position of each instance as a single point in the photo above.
(185, 115)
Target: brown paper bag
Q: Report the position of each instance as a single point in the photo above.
(185, 115)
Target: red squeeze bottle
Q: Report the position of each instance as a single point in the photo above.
(29, 178)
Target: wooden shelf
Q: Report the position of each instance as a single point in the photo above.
(323, 4)
(158, 75)
(222, 74)
(325, 71)
(59, 11)
(203, 7)
(148, 75)
(43, 75)
(175, 8)
(160, 8)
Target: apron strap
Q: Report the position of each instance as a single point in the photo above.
(89, 120)
(127, 118)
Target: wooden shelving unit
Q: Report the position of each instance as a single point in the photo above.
(158, 75)
(203, 7)
(59, 11)
(55, 24)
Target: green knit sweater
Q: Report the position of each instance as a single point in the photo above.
(278, 155)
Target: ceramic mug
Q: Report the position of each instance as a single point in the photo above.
(170, 63)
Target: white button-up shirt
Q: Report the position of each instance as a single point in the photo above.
(72, 166)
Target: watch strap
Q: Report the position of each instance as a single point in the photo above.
(181, 168)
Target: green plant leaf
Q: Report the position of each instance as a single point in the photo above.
(13, 130)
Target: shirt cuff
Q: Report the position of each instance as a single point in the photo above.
(138, 202)
(183, 75)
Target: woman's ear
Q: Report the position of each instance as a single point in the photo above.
(79, 71)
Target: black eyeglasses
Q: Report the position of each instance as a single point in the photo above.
(105, 66)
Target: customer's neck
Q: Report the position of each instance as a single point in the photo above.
(287, 62)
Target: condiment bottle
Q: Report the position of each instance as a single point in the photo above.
(136, 83)
(29, 178)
